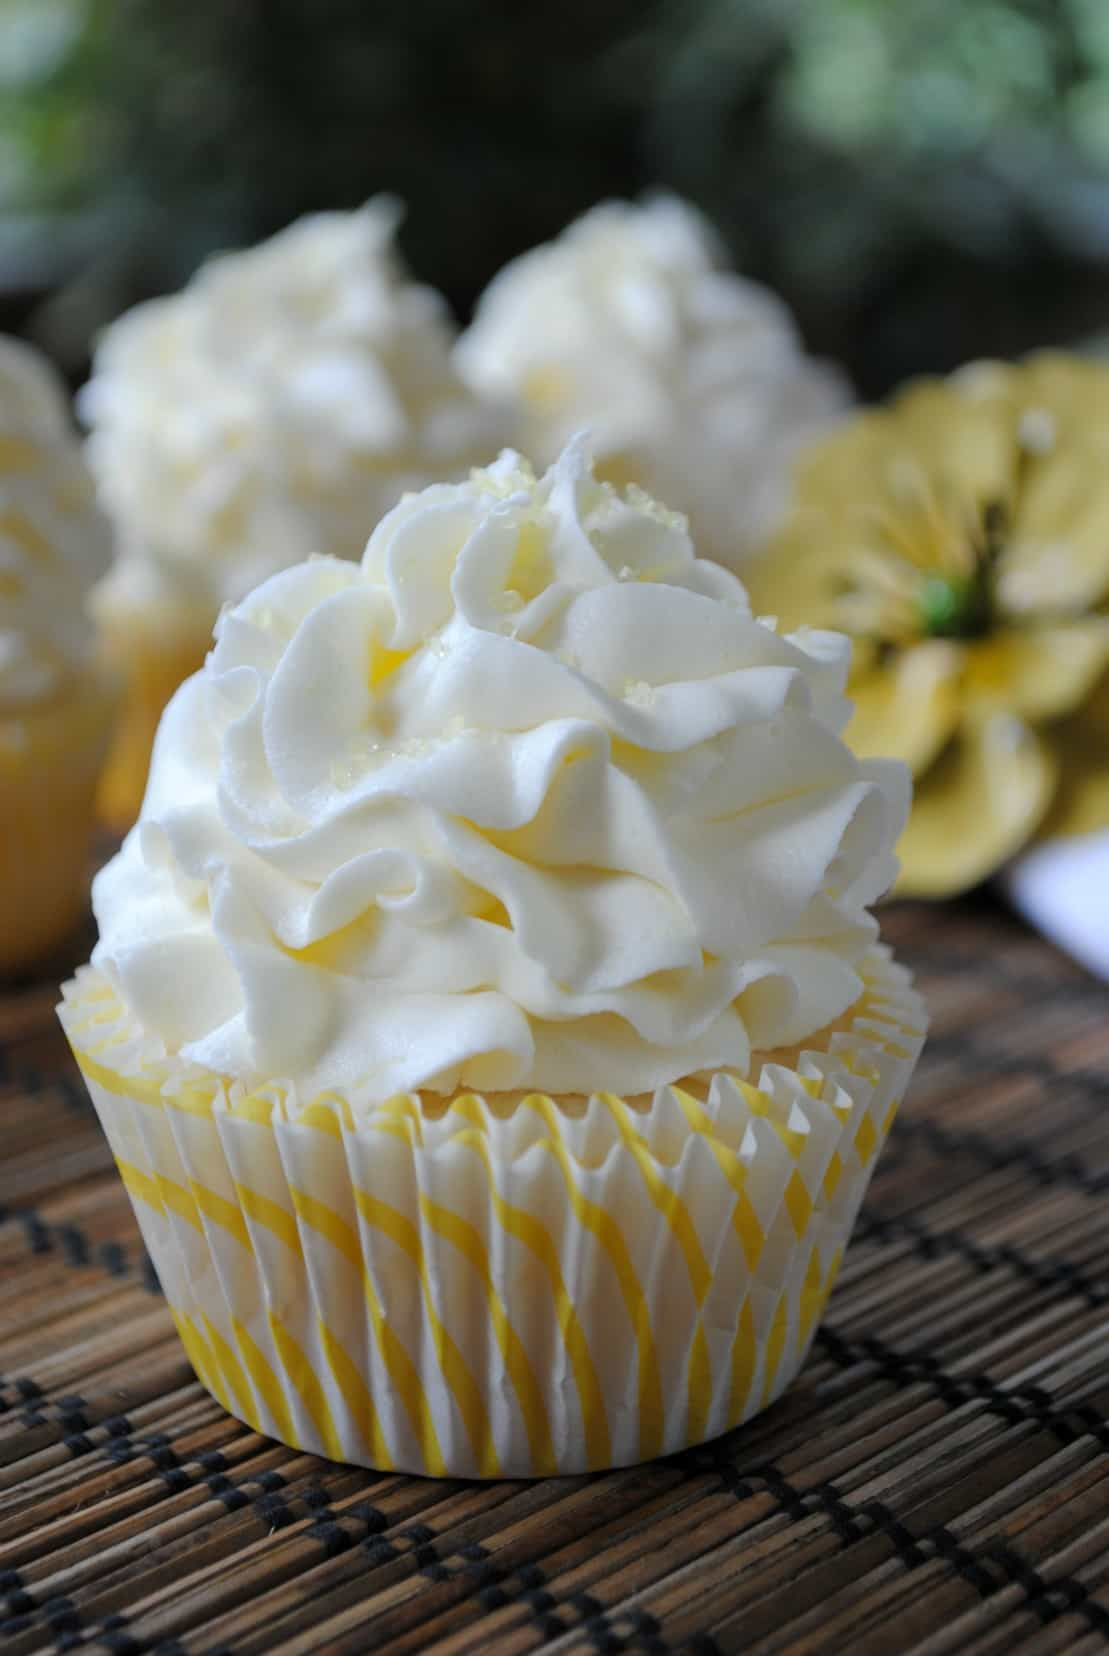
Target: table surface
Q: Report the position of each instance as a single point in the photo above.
(936, 1481)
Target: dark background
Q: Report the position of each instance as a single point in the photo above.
(924, 180)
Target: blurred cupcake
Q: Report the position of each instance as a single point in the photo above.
(690, 379)
(487, 1018)
(960, 534)
(55, 704)
(279, 404)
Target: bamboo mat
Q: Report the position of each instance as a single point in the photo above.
(936, 1481)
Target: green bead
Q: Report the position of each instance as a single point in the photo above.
(954, 608)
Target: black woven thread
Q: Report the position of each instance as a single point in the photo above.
(1069, 1170)
(1048, 1272)
(260, 1491)
(1049, 1600)
(77, 1247)
(33, 1084)
(64, 1621)
(499, 1585)
(111, 1634)
(24, 1609)
(37, 1233)
(36, 1410)
(178, 1476)
(986, 1571)
(66, 1413)
(334, 1532)
(1088, 1089)
(1016, 1405)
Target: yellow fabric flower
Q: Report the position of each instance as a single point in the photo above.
(961, 535)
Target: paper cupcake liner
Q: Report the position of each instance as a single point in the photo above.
(499, 1289)
(50, 759)
(154, 653)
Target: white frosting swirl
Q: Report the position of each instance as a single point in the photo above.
(527, 799)
(285, 399)
(690, 378)
(53, 542)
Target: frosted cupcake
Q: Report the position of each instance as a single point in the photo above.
(487, 1017)
(276, 407)
(691, 378)
(55, 705)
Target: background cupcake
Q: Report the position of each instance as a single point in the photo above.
(691, 379)
(487, 1017)
(279, 404)
(55, 705)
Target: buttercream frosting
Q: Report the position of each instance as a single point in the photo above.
(691, 378)
(525, 799)
(285, 399)
(53, 542)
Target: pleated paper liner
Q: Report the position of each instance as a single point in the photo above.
(490, 1290)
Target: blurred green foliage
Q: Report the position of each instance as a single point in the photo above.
(923, 179)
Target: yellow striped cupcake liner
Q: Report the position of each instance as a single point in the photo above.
(507, 1287)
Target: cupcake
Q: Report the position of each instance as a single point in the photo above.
(487, 1018)
(691, 379)
(276, 407)
(55, 704)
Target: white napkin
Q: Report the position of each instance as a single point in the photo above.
(1062, 888)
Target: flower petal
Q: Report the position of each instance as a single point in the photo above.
(976, 807)
(958, 433)
(800, 576)
(1037, 672)
(1058, 556)
(1081, 805)
(908, 707)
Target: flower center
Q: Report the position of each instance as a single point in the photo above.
(954, 606)
(959, 603)
(936, 577)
